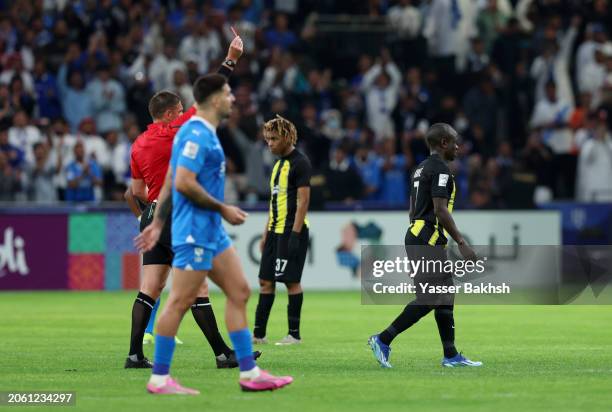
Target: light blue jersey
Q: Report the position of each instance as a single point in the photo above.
(196, 147)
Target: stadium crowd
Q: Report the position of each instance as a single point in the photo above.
(527, 83)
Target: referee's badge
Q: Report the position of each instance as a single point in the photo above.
(442, 180)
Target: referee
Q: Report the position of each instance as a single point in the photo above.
(431, 203)
(149, 160)
(285, 239)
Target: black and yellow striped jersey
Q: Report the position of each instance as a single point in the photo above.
(432, 178)
(289, 173)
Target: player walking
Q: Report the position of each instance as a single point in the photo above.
(431, 204)
(201, 246)
(149, 162)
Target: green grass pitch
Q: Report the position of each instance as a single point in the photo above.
(548, 358)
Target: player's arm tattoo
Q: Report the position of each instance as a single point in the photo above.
(164, 208)
(188, 186)
(202, 198)
(445, 218)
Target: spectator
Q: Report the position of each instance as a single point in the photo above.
(252, 9)
(509, 47)
(481, 108)
(119, 150)
(442, 31)
(364, 64)
(369, 166)
(245, 28)
(280, 36)
(76, 101)
(21, 98)
(6, 107)
(40, 176)
(593, 75)
(316, 145)
(254, 155)
(15, 68)
(47, 93)
(606, 90)
(477, 59)
(10, 180)
(13, 154)
(594, 39)
(353, 130)
(552, 115)
(380, 87)
(251, 119)
(593, 183)
(295, 76)
(537, 158)
(162, 67)
(95, 146)
(490, 22)
(394, 190)
(342, 180)
(182, 88)
(23, 135)
(61, 152)
(82, 176)
(138, 98)
(203, 44)
(405, 19)
(553, 63)
(108, 100)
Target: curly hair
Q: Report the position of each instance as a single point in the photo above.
(282, 128)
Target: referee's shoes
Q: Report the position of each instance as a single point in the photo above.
(225, 362)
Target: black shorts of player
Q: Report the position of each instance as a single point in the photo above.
(161, 254)
(276, 265)
(432, 278)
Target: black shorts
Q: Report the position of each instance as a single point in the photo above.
(418, 250)
(275, 262)
(161, 254)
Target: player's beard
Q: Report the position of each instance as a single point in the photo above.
(225, 114)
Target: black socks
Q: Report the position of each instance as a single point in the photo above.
(141, 312)
(409, 316)
(446, 328)
(264, 306)
(412, 313)
(294, 310)
(205, 318)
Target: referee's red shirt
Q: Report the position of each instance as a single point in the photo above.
(151, 153)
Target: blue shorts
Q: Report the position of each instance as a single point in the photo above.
(194, 257)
